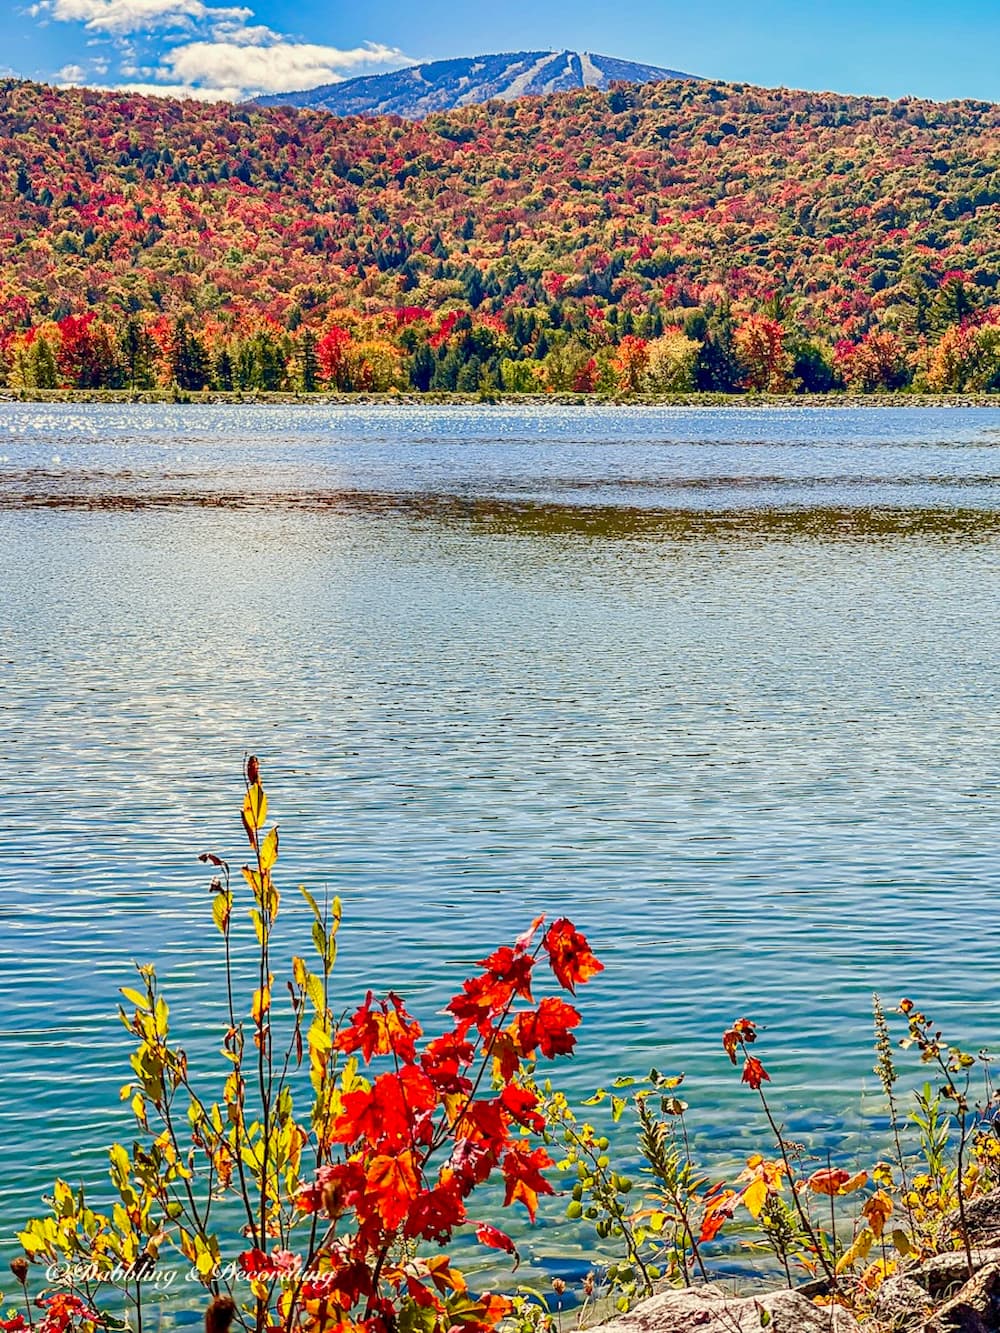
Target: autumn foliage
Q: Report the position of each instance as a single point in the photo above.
(683, 235)
(340, 1210)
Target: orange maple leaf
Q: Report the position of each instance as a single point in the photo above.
(392, 1184)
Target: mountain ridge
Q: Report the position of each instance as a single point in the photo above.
(446, 85)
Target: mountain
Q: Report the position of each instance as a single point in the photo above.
(507, 243)
(443, 85)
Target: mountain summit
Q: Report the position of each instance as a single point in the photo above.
(443, 84)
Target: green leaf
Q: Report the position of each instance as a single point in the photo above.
(311, 901)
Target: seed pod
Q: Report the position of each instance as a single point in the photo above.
(220, 1314)
(253, 770)
(19, 1267)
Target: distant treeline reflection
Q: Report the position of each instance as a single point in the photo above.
(541, 518)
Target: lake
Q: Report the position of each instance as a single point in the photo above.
(720, 685)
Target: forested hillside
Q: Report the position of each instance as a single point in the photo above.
(665, 236)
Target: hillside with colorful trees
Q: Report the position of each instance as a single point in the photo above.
(658, 238)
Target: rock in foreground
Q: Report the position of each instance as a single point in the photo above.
(710, 1309)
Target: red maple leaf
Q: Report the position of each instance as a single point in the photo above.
(511, 966)
(506, 1052)
(480, 1000)
(365, 1032)
(471, 1162)
(436, 1212)
(521, 1105)
(484, 1120)
(378, 1027)
(754, 1072)
(569, 954)
(547, 1028)
(386, 1115)
(523, 1179)
(253, 1262)
(494, 1238)
(444, 1058)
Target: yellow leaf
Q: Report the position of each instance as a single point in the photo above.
(755, 1196)
(319, 1038)
(135, 997)
(859, 1250)
(314, 989)
(255, 806)
(269, 849)
(221, 908)
(119, 1161)
(261, 1004)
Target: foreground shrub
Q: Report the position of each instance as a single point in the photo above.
(844, 1229)
(338, 1213)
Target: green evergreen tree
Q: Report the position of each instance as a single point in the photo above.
(189, 366)
(422, 366)
(222, 372)
(308, 365)
(41, 369)
(135, 348)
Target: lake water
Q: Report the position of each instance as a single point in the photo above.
(720, 685)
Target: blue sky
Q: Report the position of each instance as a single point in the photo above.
(229, 48)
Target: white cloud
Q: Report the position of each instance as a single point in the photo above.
(116, 17)
(273, 65)
(215, 52)
(181, 90)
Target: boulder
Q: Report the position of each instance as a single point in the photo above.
(710, 1309)
(982, 1218)
(943, 1274)
(974, 1309)
(901, 1304)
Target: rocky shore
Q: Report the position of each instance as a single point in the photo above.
(933, 1296)
(715, 400)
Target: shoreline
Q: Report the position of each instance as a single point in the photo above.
(216, 398)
